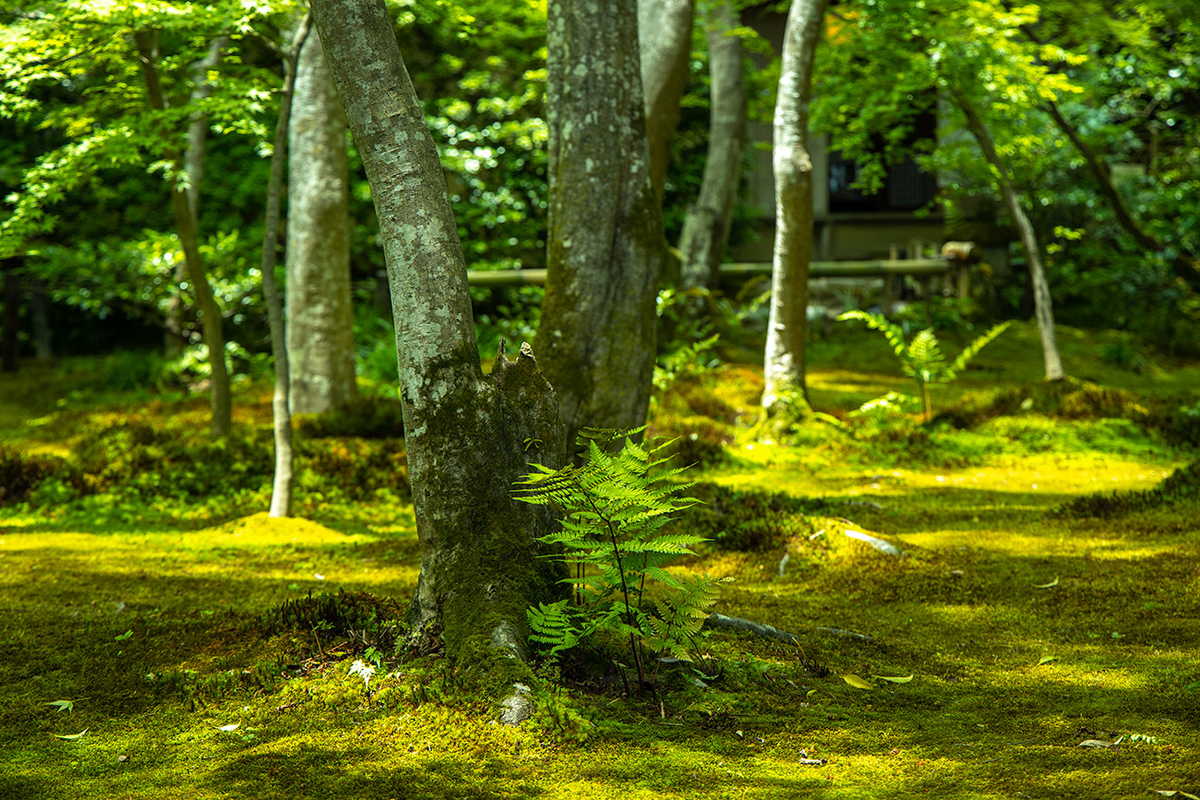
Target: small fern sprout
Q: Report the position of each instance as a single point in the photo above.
(922, 358)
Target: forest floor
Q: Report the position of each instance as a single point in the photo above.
(1037, 638)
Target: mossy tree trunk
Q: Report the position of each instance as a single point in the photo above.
(1042, 303)
(605, 245)
(665, 44)
(468, 436)
(320, 320)
(787, 331)
(185, 227)
(706, 227)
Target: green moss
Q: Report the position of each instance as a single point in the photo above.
(991, 583)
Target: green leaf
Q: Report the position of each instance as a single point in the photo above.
(1047, 660)
(855, 681)
(62, 705)
(1047, 585)
(905, 679)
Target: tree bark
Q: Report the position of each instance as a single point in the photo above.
(320, 322)
(596, 338)
(468, 436)
(1043, 305)
(185, 226)
(706, 227)
(787, 330)
(665, 44)
(281, 415)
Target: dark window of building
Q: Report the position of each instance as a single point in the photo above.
(906, 186)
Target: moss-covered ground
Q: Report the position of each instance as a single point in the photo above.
(190, 636)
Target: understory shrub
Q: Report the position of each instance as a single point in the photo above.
(134, 457)
(354, 468)
(21, 474)
(364, 417)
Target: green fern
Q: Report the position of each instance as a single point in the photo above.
(615, 508)
(922, 358)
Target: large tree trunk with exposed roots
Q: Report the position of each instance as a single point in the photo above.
(468, 436)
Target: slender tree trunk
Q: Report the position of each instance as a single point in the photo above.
(281, 415)
(665, 44)
(320, 322)
(706, 227)
(468, 436)
(1188, 270)
(173, 339)
(11, 320)
(1043, 305)
(185, 225)
(787, 330)
(596, 338)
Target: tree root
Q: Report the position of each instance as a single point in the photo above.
(770, 632)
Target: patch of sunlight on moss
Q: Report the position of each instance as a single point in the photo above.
(262, 530)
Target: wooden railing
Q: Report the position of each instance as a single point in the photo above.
(924, 269)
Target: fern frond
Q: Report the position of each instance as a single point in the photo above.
(974, 347)
(893, 333)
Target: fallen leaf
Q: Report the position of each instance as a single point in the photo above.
(62, 705)
(1175, 793)
(1047, 660)
(1047, 585)
(1098, 743)
(905, 679)
(71, 735)
(228, 728)
(856, 682)
(878, 544)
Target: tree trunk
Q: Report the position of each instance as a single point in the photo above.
(468, 436)
(787, 330)
(185, 225)
(1188, 270)
(320, 322)
(197, 137)
(281, 415)
(605, 243)
(1043, 305)
(11, 320)
(706, 227)
(665, 44)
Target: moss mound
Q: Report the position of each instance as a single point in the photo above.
(749, 520)
(1182, 485)
(1065, 399)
